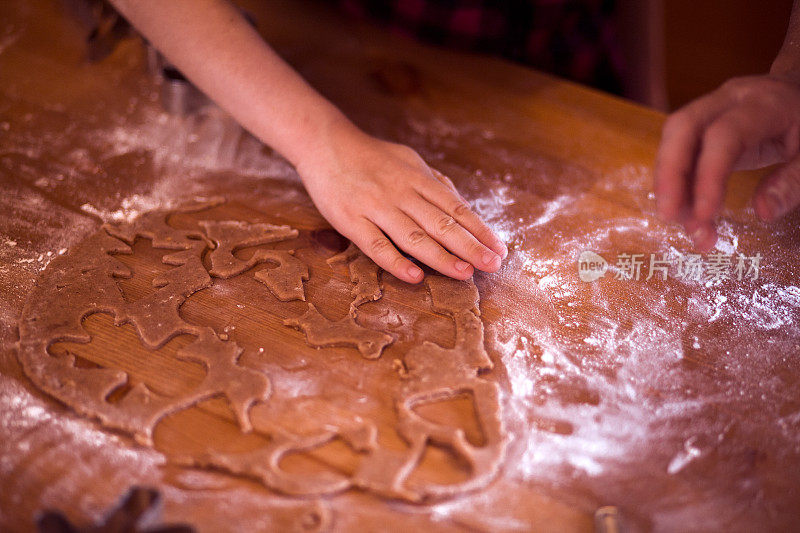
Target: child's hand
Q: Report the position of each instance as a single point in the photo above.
(382, 195)
(747, 123)
(377, 194)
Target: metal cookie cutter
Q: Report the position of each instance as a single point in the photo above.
(178, 95)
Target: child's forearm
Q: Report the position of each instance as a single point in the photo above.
(215, 47)
(377, 194)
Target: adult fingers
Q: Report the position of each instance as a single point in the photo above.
(779, 193)
(454, 237)
(680, 143)
(373, 242)
(703, 234)
(725, 141)
(446, 198)
(414, 240)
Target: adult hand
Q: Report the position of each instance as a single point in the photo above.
(747, 123)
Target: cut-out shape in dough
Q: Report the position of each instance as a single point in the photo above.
(457, 411)
(456, 374)
(84, 281)
(231, 235)
(363, 273)
(292, 430)
(286, 280)
(321, 332)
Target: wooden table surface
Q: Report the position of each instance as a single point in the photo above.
(675, 401)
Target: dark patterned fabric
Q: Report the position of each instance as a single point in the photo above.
(575, 39)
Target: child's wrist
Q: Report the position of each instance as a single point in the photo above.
(322, 147)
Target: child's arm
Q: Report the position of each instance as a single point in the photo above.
(747, 123)
(366, 188)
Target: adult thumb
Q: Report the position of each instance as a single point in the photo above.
(779, 192)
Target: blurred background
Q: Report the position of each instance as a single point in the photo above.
(661, 53)
(709, 41)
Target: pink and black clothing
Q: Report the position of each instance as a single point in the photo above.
(574, 39)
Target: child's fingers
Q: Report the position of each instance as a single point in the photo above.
(415, 241)
(444, 179)
(372, 241)
(448, 200)
(450, 234)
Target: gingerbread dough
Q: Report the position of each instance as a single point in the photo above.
(321, 332)
(285, 281)
(364, 275)
(84, 281)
